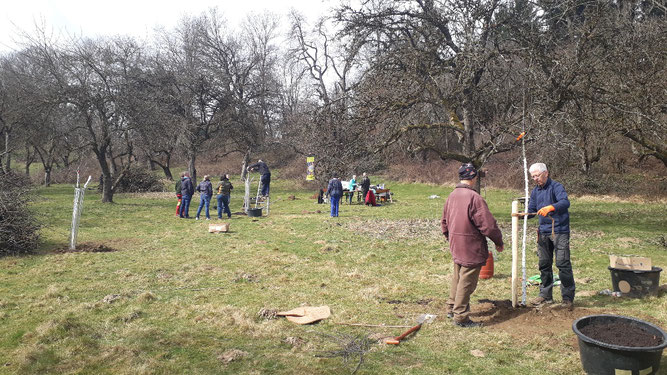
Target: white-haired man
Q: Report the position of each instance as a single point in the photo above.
(549, 198)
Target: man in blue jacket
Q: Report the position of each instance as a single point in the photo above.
(265, 175)
(549, 200)
(335, 191)
(186, 191)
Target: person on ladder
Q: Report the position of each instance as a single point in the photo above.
(265, 175)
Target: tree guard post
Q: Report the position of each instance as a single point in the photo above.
(246, 197)
(515, 252)
(79, 193)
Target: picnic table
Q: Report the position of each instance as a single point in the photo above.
(383, 194)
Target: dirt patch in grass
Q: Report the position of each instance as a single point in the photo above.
(86, 247)
(407, 229)
(527, 322)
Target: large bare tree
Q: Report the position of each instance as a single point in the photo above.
(431, 63)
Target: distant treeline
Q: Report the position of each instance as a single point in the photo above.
(418, 80)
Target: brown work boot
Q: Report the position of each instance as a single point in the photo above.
(566, 305)
(540, 301)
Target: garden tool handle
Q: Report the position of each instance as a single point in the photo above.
(396, 340)
(553, 226)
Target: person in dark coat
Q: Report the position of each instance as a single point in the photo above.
(224, 193)
(335, 192)
(549, 198)
(265, 175)
(365, 186)
(205, 190)
(187, 190)
(466, 222)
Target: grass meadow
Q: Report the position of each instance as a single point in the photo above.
(174, 299)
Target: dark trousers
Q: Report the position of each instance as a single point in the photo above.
(266, 181)
(464, 283)
(185, 206)
(223, 205)
(547, 247)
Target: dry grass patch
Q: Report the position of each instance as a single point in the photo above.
(232, 355)
(146, 297)
(403, 229)
(232, 317)
(151, 195)
(615, 199)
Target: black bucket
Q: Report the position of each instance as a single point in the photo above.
(600, 358)
(636, 284)
(254, 212)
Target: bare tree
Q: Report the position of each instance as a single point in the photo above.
(324, 125)
(429, 65)
(198, 97)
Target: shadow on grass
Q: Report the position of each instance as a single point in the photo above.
(499, 311)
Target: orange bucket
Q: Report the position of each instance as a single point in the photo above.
(487, 269)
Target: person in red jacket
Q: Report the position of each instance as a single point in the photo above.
(466, 222)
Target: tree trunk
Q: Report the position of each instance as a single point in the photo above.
(28, 160)
(167, 172)
(244, 167)
(8, 154)
(107, 192)
(65, 160)
(47, 177)
(469, 136)
(192, 156)
(469, 143)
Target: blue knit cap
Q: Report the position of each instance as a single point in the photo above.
(467, 172)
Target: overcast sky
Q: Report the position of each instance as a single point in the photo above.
(132, 17)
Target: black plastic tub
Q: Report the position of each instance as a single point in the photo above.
(254, 212)
(600, 358)
(636, 284)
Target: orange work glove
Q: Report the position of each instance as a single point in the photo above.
(544, 211)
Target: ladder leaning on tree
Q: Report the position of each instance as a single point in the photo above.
(260, 202)
(265, 200)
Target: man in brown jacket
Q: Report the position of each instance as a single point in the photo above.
(466, 222)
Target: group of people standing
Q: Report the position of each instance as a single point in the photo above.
(466, 222)
(185, 190)
(335, 190)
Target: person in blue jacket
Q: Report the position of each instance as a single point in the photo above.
(205, 189)
(186, 195)
(549, 200)
(335, 191)
(265, 176)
